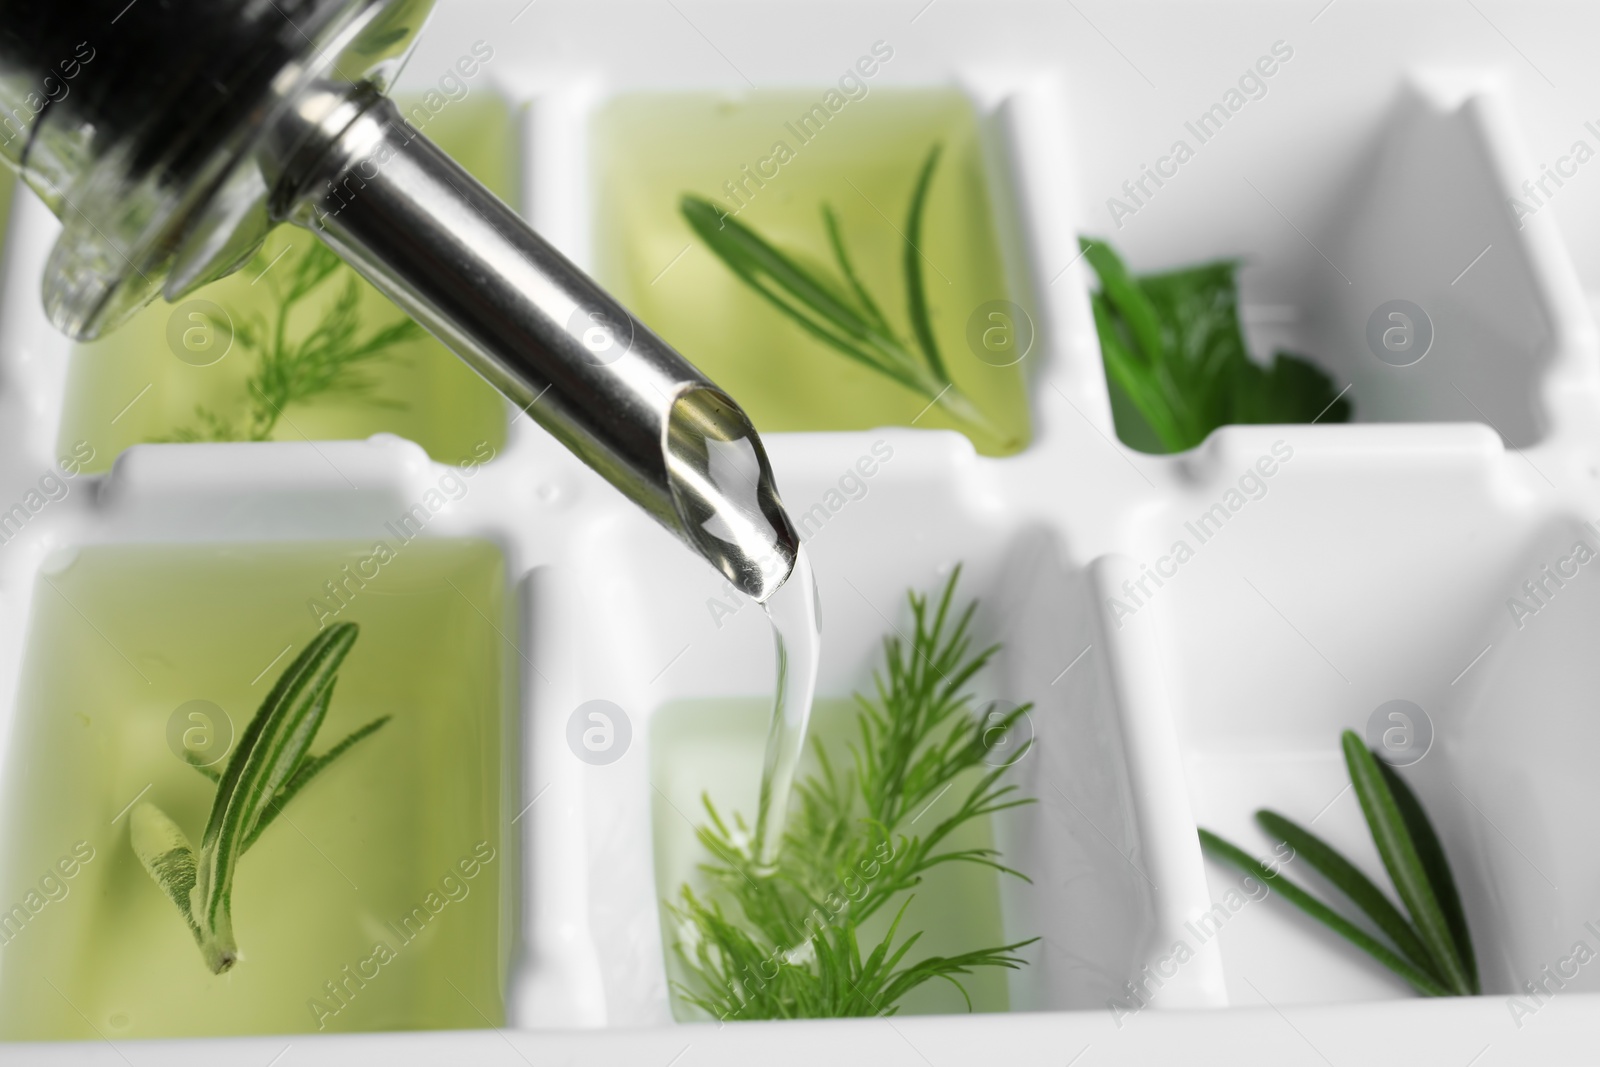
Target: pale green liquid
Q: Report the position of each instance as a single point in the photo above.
(714, 746)
(357, 850)
(428, 395)
(653, 148)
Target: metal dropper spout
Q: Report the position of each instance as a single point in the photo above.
(175, 136)
(467, 267)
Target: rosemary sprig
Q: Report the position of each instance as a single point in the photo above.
(1175, 353)
(1429, 945)
(785, 943)
(296, 368)
(268, 767)
(839, 311)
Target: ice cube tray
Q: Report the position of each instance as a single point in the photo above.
(1332, 568)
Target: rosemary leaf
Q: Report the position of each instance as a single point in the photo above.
(267, 768)
(164, 850)
(1393, 839)
(1431, 853)
(309, 768)
(1421, 981)
(1434, 949)
(1353, 884)
(841, 313)
(916, 288)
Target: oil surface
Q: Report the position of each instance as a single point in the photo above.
(131, 387)
(651, 149)
(120, 639)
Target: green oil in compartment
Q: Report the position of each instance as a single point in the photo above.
(132, 387)
(651, 149)
(397, 844)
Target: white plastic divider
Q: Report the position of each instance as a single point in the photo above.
(1033, 181)
(1433, 223)
(1180, 968)
(554, 979)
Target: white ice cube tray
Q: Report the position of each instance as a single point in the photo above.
(1377, 560)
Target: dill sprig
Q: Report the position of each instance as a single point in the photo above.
(296, 367)
(838, 310)
(785, 943)
(270, 766)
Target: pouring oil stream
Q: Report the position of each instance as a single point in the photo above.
(794, 611)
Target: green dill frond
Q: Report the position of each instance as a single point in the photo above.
(785, 944)
(297, 365)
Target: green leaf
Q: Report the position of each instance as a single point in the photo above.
(841, 313)
(1174, 349)
(205, 769)
(1431, 852)
(266, 770)
(751, 257)
(1420, 980)
(309, 768)
(830, 222)
(1349, 880)
(1393, 840)
(916, 288)
(1291, 390)
(1125, 296)
(164, 850)
(267, 755)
